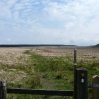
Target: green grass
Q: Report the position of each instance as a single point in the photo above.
(55, 73)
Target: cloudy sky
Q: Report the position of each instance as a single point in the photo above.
(73, 22)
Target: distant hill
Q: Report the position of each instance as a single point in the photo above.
(96, 45)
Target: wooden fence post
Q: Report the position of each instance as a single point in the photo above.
(81, 83)
(3, 91)
(95, 87)
(75, 63)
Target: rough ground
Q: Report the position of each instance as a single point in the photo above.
(84, 52)
(15, 55)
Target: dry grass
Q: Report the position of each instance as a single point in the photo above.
(15, 56)
(12, 56)
(82, 53)
(53, 51)
(12, 75)
(9, 58)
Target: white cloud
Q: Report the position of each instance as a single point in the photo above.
(16, 15)
(9, 40)
(69, 25)
(80, 9)
(5, 12)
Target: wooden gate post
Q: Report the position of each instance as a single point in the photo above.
(95, 87)
(75, 63)
(81, 83)
(3, 91)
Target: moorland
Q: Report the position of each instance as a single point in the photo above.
(45, 67)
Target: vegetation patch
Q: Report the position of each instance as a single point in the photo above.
(25, 68)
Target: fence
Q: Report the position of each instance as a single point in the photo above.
(4, 91)
(81, 88)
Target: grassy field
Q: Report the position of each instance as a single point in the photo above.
(45, 68)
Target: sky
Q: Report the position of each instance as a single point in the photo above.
(69, 22)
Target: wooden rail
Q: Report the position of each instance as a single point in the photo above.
(40, 92)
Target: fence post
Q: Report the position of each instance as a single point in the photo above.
(75, 64)
(3, 91)
(95, 87)
(81, 83)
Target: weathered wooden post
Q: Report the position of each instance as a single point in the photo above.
(81, 83)
(95, 87)
(75, 63)
(3, 91)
